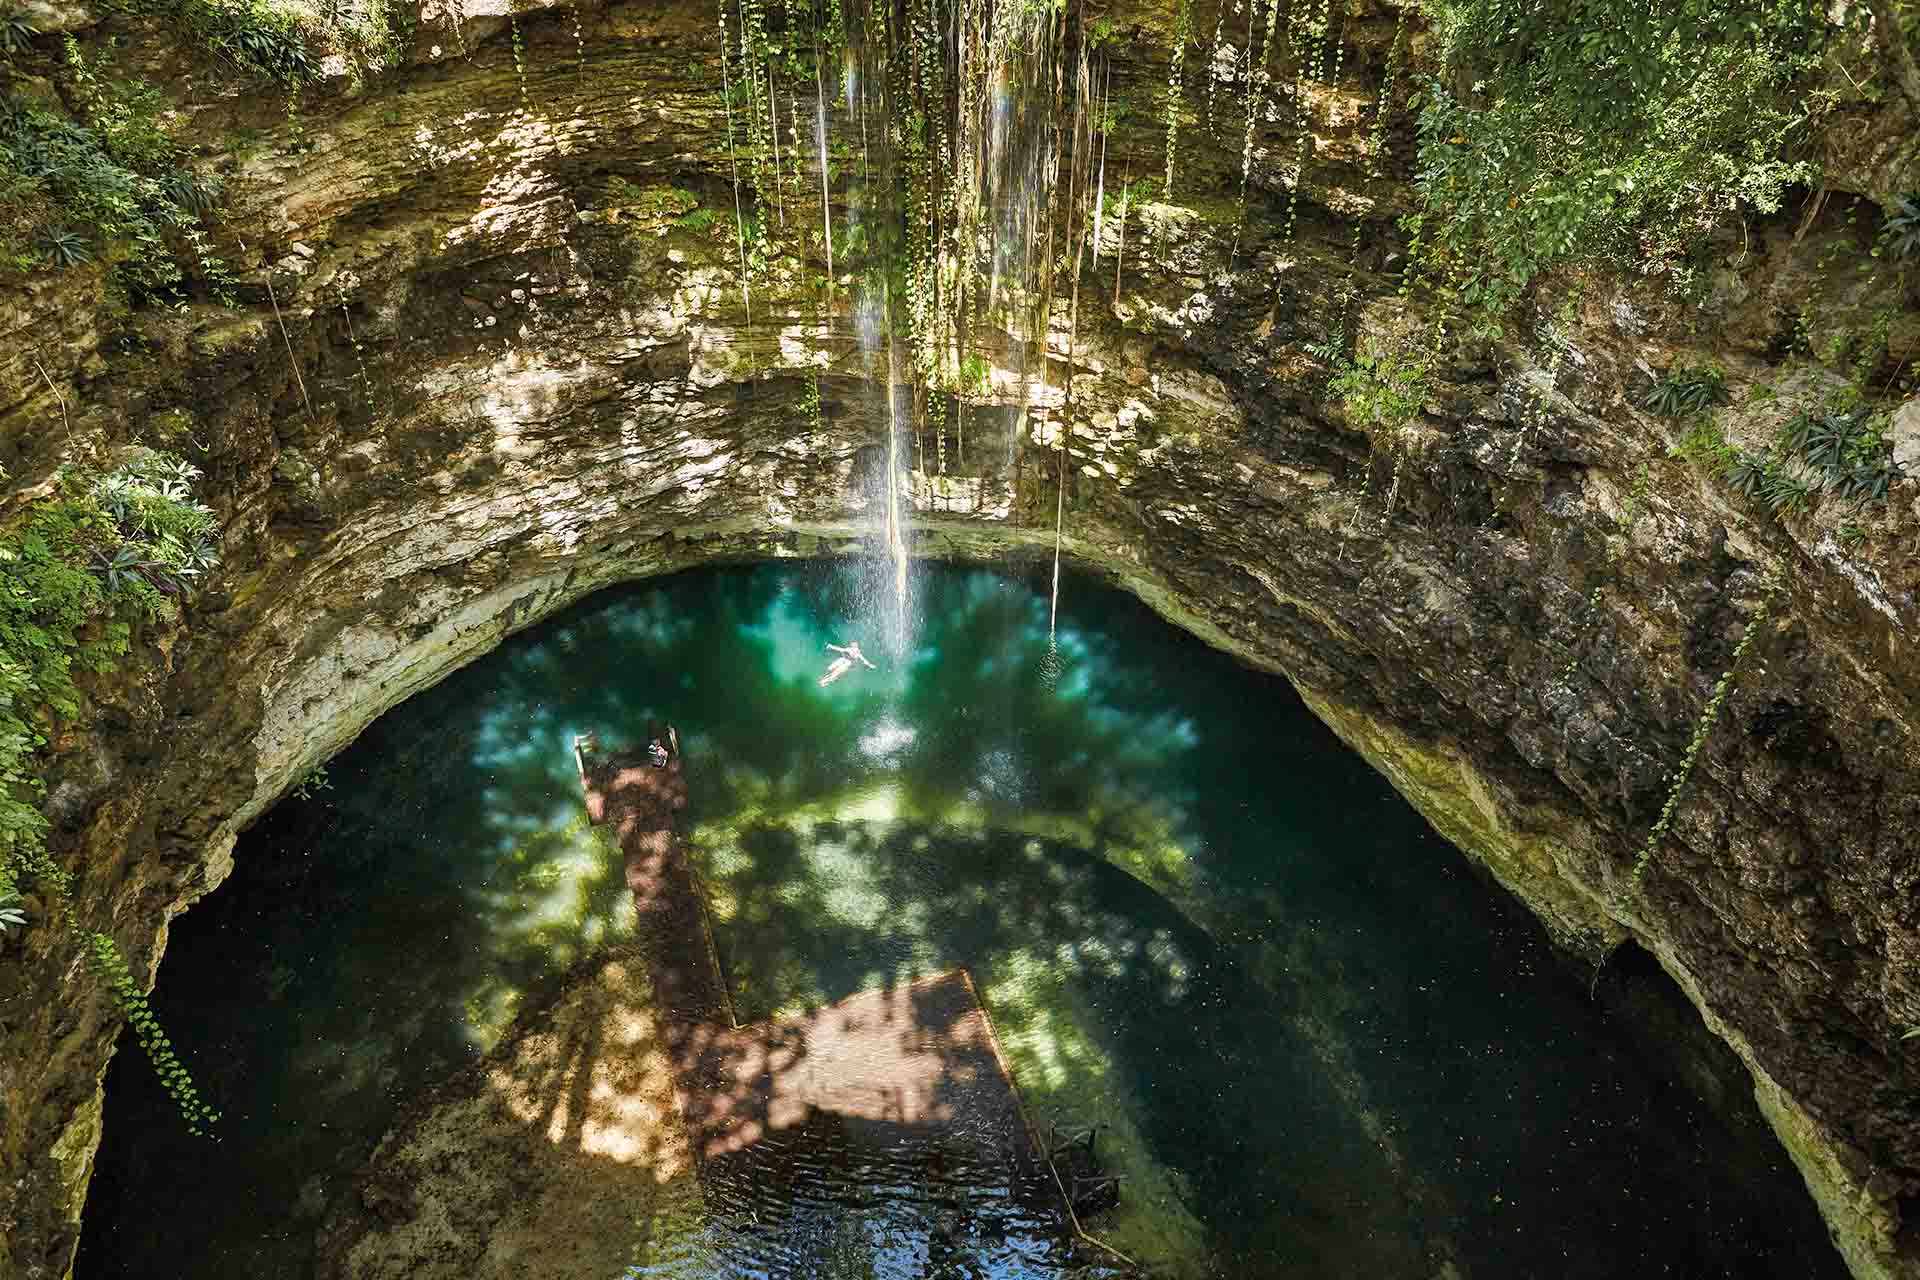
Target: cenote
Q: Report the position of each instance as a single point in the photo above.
(1316, 1043)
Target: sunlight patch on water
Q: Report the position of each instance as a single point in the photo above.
(887, 740)
(1065, 1074)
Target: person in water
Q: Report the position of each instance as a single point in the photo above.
(843, 664)
(657, 753)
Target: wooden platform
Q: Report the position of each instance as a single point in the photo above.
(920, 1056)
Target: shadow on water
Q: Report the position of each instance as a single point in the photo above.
(1183, 900)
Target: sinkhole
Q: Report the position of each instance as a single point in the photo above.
(1307, 1038)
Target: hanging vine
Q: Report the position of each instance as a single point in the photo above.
(359, 355)
(1704, 726)
(733, 164)
(1257, 79)
(103, 956)
(1308, 71)
(519, 61)
(1182, 35)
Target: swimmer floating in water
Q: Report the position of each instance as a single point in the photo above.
(841, 665)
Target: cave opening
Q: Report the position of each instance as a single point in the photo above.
(1314, 1041)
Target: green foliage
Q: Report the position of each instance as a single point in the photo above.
(1745, 473)
(1611, 131)
(264, 39)
(1704, 726)
(16, 35)
(1687, 390)
(132, 538)
(519, 60)
(1845, 453)
(1900, 233)
(1312, 25)
(104, 957)
(65, 248)
(976, 375)
(114, 185)
(810, 402)
(1848, 452)
(1380, 391)
(312, 783)
(1176, 83)
(1705, 445)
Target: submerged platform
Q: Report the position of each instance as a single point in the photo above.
(913, 1064)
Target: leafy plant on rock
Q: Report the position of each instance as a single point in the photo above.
(1687, 390)
(1384, 391)
(1788, 490)
(1704, 726)
(1381, 393)
(70, 569)
(312, 783)
(16, 35)
(1900, 233)
(65, 248)
(1746, 474)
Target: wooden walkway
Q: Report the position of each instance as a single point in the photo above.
(920, 1056)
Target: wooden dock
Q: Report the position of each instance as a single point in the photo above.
(921, 1056)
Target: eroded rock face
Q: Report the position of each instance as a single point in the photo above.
(519, 385)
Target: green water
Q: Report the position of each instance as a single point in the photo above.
(1320, 1046)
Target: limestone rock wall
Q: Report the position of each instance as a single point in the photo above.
(519, 382)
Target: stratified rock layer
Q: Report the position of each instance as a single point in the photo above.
(520, 383)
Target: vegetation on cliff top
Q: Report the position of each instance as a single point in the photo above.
(1609, 132)
(97, 163)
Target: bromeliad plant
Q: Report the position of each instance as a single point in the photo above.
(1687, 390)
(1900, 233)
(1842, 453)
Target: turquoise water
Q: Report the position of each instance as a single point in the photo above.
(1321, 1046)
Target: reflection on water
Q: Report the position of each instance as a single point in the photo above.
(805, 1202)
(1318, 1046)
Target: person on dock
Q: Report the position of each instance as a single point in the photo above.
(843, 664)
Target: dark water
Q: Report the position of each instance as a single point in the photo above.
(1324, 1044)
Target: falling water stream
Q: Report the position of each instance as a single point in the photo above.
(1320, 1046)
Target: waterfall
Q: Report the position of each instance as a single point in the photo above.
(826, 196)
(979, 188)
(896, 542)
